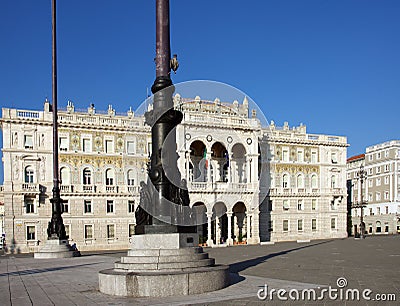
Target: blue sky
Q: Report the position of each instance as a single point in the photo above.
(333, 65)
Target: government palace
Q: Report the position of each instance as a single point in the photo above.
(249, 183)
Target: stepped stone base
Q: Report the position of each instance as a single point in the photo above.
(54, 248)
(164, 265)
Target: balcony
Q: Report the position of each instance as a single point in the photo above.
(88, 188)
(30, 187)
(222, 186)
(66, 188)
(111, 189)
(133, 189)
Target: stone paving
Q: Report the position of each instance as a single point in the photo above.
(372, 263)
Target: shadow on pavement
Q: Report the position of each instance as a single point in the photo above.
(243, 265)
(36, 271)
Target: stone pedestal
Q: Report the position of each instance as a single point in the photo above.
(55, 248)
(164, 265)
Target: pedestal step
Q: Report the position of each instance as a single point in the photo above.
(142, 267)
(163, 259)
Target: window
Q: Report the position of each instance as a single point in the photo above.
(88, 231)
(378, 155)
(369, 197)
(378, 227)
(314, 181)
(378, 196)
(387, 167)
(300, 181)
(110, 206)
(109, 146)
(386, 195)
(28, 142)
(370, 183)
(87, 206)
(386, 209)
(131, 206)
(299, 204)
(270, 226)
(333, 181)
(313, 204)
(369, 171)
(285, 204)
(65, 207)
(299, 225)
(370, 157)
(378, 169)
(386, 228)
(314, 224)
(130, 178)
(285, 181)
(29, 174)
(64, 176)
(333, 223)
(109, 177)
(63, 144)
(387, 153)
(300, 156)
(29, 206)
(110, 231)
(87, 176)
(334, 157)
(270, 207)
(370, 212)
(378, 210)
(130, 148)
(131, 230)
(285, 155)
(386, 180)
(86, 145)
(30, 232)
(314, 157)
(378, 181)
(285, 225)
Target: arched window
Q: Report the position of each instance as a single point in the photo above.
(314, 181)
(378, 227)
(333, 181)
(64, 176)
(109, 177)
(285, 181)
(130, 178)
(87, 177)
(300, 181)
(29, 174)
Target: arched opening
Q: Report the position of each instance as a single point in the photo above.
(199, 165)
(109, 177)
(314, 181)
(333, 181)
(378, 227)
(238, 163)
(220, 162)
(87, 177)
(239, 222)
(29, 175)
(200, 213)
(130, 178)
(65, 176)
(219, 225)
(285, 180)
(300, 181)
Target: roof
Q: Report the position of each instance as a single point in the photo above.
(356, 157)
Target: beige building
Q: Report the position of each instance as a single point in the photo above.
(231, 163)
(381, 189)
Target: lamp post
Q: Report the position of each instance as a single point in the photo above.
(56, 228)
(361, 176)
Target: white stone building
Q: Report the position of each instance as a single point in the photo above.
(230, 161)
(381, 190)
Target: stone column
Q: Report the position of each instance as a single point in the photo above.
(209, 240)
(229, 241)
(230, 178)
(187, 154)
(217, 231)
(208, 161)
(248, 229)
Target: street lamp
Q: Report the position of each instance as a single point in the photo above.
(361, 176)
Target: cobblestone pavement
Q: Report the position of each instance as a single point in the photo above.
(372, 263)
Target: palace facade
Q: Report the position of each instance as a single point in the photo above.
(248, 183)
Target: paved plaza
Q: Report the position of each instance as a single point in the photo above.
(373, 263)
